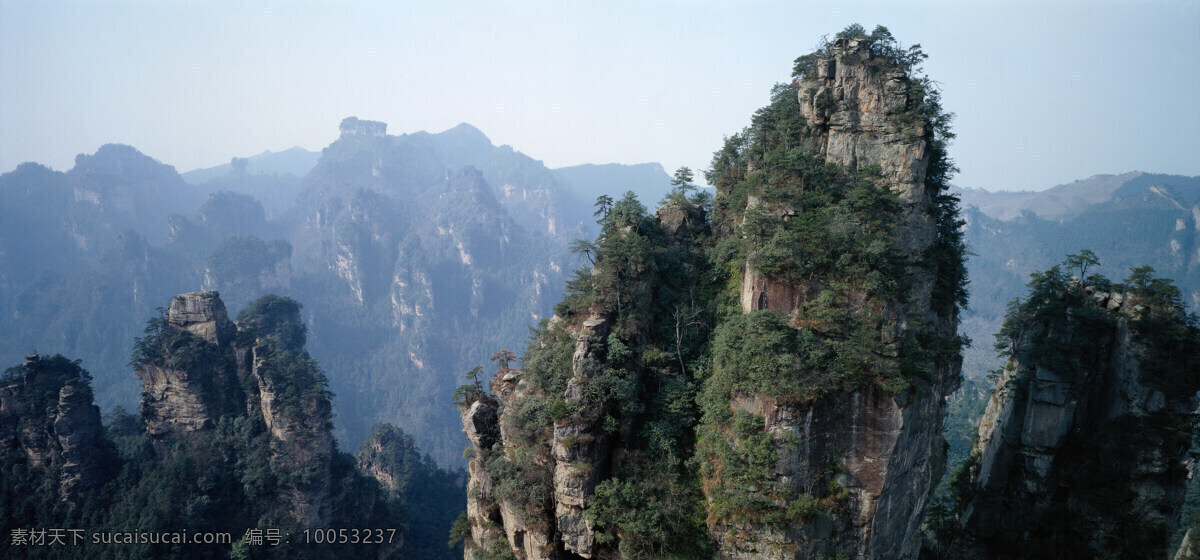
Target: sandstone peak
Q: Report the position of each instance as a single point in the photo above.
(353, 126)
(202, 314)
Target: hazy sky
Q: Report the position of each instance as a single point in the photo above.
(1045, 94)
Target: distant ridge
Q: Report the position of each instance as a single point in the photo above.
(648, 180)
(295, 160)
(1061, 201)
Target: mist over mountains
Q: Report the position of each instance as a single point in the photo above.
(1128, 220)
(416, 257)
(397, 251)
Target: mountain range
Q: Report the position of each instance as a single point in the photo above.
(417, 257)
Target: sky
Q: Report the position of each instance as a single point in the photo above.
(1044, 93)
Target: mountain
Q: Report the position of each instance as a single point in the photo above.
(419, 255)
(88, 254)
(1061, 202)
(50, 219)
(295, 161)
(415, 270)
(1084, 449)
(274, 177)
(649, 181)
(759, 375)
(234, 433)
(1146, 219)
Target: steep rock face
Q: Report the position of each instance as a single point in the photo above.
(813, 412)
(481, 424)
(527, 525)
(407, 236)
(882, 448)
(302, 438)
(79, 433)
(1088, 456)
(558, 457)
(197, 366)
(191, 382)
(582, 448)
(202, 314)
(576, 458)
(47, 415)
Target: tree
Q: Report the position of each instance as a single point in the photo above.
(684, 317)
(1082, 260)
(1008, 339)
(585, 248)
(628, 212)
(681, 184)
(1156, 290)
(503, 358)
(604, 203)
(470, 392)
(853, 31)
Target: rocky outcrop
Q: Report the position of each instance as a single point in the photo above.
(883, 450)
(353, 126)
(200, 366)
(482, 426)
(581, 447)
(47, 416)
(578, 456)
(527, 525)
(302, 439)
(188, 377)
(1187, 548)
(1087, 455)
(845, 469)
(202, 314)
(80, 438)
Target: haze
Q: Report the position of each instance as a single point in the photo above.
(1044, 94)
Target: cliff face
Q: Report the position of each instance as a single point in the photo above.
(555, 432)
(253, 449)
(193, 382)
(772, 387)
(404, 237)
(300, 423)
(47, 415)
(198, 366)
(882, 448)
(1083, 447)
(481, 424)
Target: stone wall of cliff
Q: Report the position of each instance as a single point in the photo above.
(877, 448)
(772, 387)
(554, 432)
(48, 417)
(188, 376)
(197, 366)
(1083, 448)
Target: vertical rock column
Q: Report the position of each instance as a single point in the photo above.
(1090, 458)
(180, 395)
(888, 447)
(481, 424)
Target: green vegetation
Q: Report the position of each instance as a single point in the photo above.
(655, 294)
(1070, 325)
(276, 319)
(677, 349)
(433, 497)
(231, 477)
(164, 346)
(829, 234)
